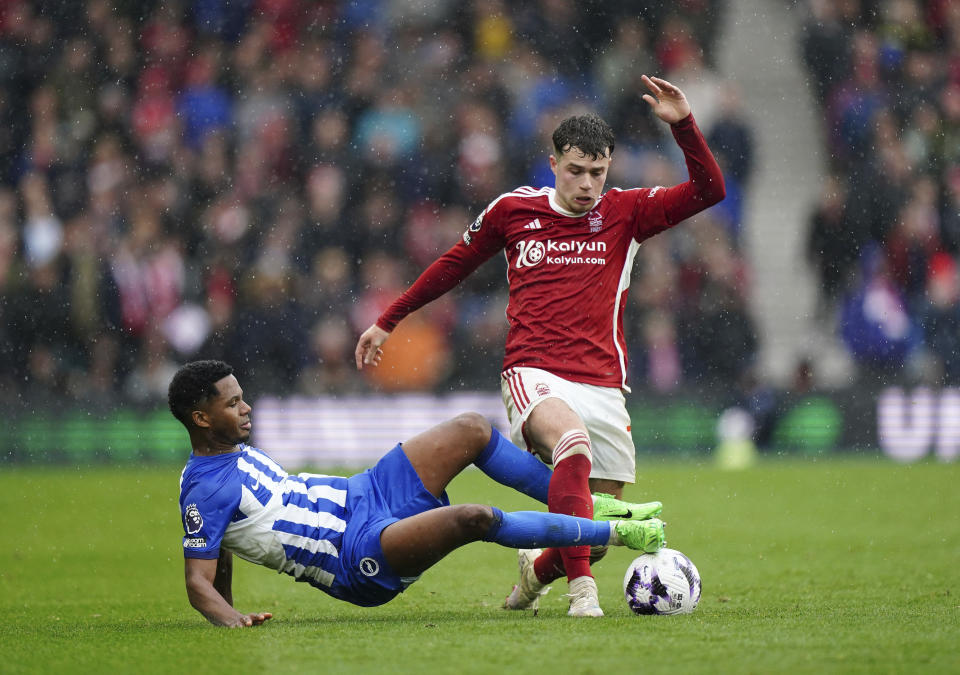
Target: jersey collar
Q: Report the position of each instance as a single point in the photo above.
(552, 196)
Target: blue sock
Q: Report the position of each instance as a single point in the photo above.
(509, 465)
(534, 529)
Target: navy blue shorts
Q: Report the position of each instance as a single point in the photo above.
(389, 491)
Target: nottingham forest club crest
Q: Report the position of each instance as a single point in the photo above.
(595, 220)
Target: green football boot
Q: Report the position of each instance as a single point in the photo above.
(641, 535)
(608, 507)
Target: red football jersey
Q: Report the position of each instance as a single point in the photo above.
(569, 274)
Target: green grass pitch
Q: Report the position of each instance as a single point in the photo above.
(826, 565)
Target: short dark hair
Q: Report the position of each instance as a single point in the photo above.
(588, 133)
(193, 384)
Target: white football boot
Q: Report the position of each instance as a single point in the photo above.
(584, 600)
(526, 594)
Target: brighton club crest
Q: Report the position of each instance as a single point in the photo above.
(369, 567)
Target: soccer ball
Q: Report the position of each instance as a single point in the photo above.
(665, 582)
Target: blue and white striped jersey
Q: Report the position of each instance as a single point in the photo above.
(246, 503)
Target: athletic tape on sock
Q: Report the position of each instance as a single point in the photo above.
(575, 442)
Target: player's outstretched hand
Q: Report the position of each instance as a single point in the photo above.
(368, 346)
(667, 101)
(252, 619)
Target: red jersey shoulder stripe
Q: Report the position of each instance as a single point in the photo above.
(532, 191)
(523, 192)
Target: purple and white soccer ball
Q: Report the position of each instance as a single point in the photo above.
(665, 582)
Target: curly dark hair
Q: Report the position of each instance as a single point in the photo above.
(588, 133)
(193, 384)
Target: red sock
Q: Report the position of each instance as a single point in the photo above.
(549, 566)
(569, 493)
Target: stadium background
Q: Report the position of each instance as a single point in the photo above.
(255, 180)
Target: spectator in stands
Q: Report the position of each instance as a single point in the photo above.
(876, 326)
(826, 43)
(940, 317)
(950, 212)
(913, 239)
(731, 135)
(718, 333)
(832, 244)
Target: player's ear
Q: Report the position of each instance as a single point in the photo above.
(553, 164)
(200, 419)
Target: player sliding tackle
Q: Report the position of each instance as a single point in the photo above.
(362, 539)
(569, 251)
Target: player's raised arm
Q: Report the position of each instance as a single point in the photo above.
(705, 186)
(208, 588)
(667, 101)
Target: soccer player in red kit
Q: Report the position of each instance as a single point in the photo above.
(569, 249)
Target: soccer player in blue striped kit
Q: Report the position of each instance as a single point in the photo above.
(365, 538)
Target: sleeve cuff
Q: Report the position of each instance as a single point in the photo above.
(202, 555)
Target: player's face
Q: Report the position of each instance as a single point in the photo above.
(580, 179)
(228, 414)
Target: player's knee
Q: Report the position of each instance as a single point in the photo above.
(473, 428)
(545, 454)
(474, 520)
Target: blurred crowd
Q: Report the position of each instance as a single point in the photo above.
(255, 180)
(885, 237)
